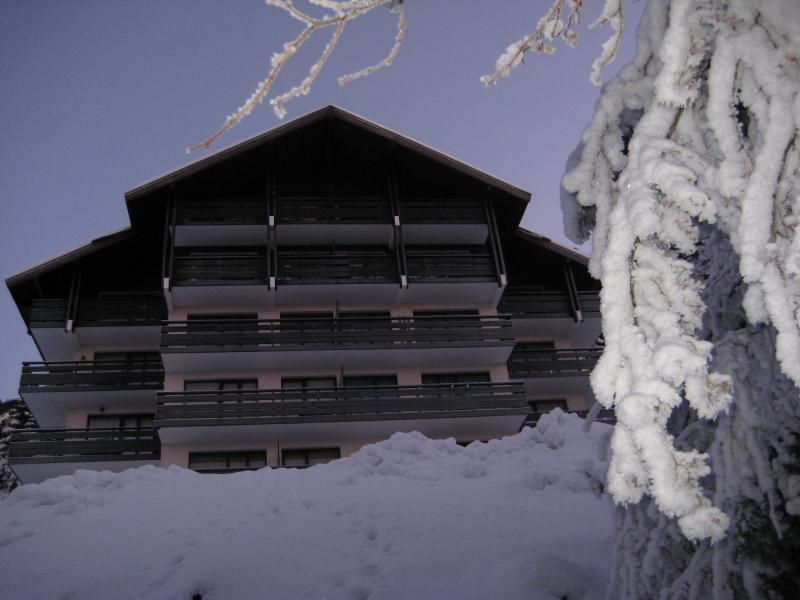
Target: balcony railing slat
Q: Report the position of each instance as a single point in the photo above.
(335, 333)
(81, 445)
(606, 416)
(324, 210)
(437, 210)
(432, 265)
(330, 404)
(220, 269)
(528, 363)
(319, 267)
(521, 301)
(91, 375)
(222, 211)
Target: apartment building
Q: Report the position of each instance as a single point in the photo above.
(294, 297)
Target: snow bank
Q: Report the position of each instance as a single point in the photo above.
(410, 517)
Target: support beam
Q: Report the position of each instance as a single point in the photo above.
(74, 299)
(572, 292)
(494, 244)
(397, 233)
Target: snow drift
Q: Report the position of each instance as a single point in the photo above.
(410, 517)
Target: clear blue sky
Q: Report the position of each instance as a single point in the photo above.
(100, 95)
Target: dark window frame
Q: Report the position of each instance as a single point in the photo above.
(120, 417)
(228, 455)
(221, 382)
(308, 452)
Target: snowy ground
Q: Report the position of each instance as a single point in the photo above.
(407, 518)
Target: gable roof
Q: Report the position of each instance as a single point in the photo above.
(548, 244)
(69, 256)
(313, 117)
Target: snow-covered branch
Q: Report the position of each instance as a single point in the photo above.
(340, 13)
(701, 128)
(552, 26)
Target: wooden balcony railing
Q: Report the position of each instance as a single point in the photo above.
(222, 211)
(88, 376)
(35, 446)
(220, 269)
(123, 309)
(338, 333)
(530, 303)
(306, 266)
(534, 363)
(309, 210)
(49, 312)
(246, 407)
(465, 211)
(604, 416)
(110, 309)
(448, 264)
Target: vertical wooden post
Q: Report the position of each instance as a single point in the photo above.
(272, 236)
(74, 299)
(572, 292)
(399, 244)
(494, 243)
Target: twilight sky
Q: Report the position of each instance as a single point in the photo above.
(100, 95)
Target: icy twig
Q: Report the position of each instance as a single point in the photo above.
(340, 13)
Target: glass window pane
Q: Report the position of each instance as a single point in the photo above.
(294, 458)
(322, 455)
(103, 421)
(208, 460)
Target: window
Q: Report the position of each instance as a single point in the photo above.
(300, 458)
(544, 406)
(128, 357)
(233, 322)
(120, 421)
(302, 383)
(544, 345)
(447, 313)
(220, 385)
(452, 378)
(369, 380)
(227, 462)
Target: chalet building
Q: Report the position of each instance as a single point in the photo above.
(294, 297)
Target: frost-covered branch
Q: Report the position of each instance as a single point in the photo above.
(552, 26)
(700, 130)
(340, 12)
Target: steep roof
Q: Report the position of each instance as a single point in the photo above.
(326, 112)
(548, 244)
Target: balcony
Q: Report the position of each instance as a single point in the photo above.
(451, 274)
(352, 275)
(38, 454)
(444, 221)
(552, 314)
(110, 320)
(345, 342)
(334, 413)
(553, 371)
(304, 220)
(219, 277)
(50, 389)
(221, 222)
